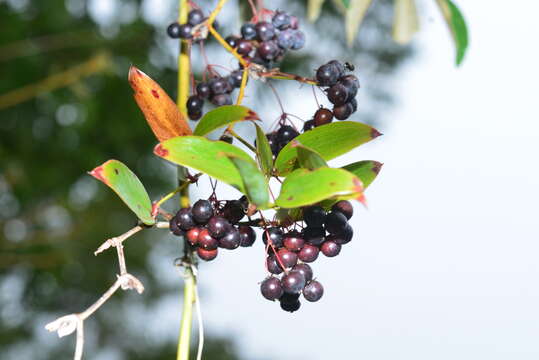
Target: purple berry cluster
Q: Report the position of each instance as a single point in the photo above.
(185, 31)
(280, 137)
(209, 227)
(289, 252)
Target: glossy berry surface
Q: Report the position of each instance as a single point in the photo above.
(285, 39)
(330, 248)
(218, 226)
(186, 31)
(288, 258)
(231, 239)
(233, 211)
(274, 235)
(173, 30)
(232, 41)
(345, 236)
(273, 265)
(265, 31)
(281, 20)
(203, 90)
(248, 31)
(286, 133)
(345, 207)
(184, 218)
(174, 227)
(206, 241)
(304, 269)
(247, 235)
(219, 86)
(244, 47)
(322, 116)
(314, 216)
(338, 94)
(314, 235)
(235, 78)
(308, 253)
(271, 288)
(268, 50)
(313, 291)
(207, 255)
(343, 112)
(202, 211)
(192, 235)
(221, 99)
(339, 67)
(195, 17)
(293, 241)
(351, 83)
(293, 282)
(308, 125)
(327, 75)
(194, 103)
(335, 222)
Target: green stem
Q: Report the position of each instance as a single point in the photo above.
(242, 140)
(189, 298)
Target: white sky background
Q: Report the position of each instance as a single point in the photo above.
(446, 265)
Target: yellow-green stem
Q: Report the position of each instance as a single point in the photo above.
(184, 62)
(189, 297)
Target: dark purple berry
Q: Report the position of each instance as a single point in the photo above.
(206, 241)
(314, 235)
(285, 134)
(219, 86)
(207, 255)
(345, 207)
(273, 265)
(290, 307)
(232, 41)
(248, 31)
(299, 40)
(353, 104)
(338, 66)
(184, 218)
(343, 112)
(194, 103)
(233, 211)
(247, 235)
(186, 31)
(175, 227)
(271, 288)
(351, 83)
(221, 99)
(281, 20)
(338, 94)
(327, 75)
(313, 291)
(322, 116)
(289, 298)
(275, 235)
(244, 47)
(293, 241)
(265, 31)
(268, 50)
(195, 115)
(287, 257)
(195, 17)
(308, 253)
(203, 90)
(343, 237)
(173, 30)
(192, 235)
(202, 211)
(293, 282)
(235, 78)
(226, 138)
(244, 202)
(335, 222)
(273, 143)
(306, 270)
(231, 240)
(308, 125)
(285, 39)
(330, 248)
(314, 216)
(218, 226)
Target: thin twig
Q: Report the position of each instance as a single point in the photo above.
(118, 239)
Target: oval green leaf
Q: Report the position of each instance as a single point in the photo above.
(221, 116)
(329, 141)
(263, 149)
(366, 170)
(204, 155)
(457, 26)
(254, 182)
(126, 184)
(303, 187)
(308, 158)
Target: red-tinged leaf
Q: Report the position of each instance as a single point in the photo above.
(223, 115)
(160, 111)
(126, 184)
(366, 170)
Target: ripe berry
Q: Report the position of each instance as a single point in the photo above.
(330, 248)
(203, 90)
(233, 211)
(335, 222)
(175, 227)
(221, 99)
(195, 17)
(226, 138)
(313, 291)
(338, 94)
(194, 115)
(202, 211)
(218, 85)
(232, 41)
(265, 31)
(192, 235)
(247, 235)
(343, 237)
(345, 207)
(194, 103)
(206, 241)
(314, 216)
(186, 31)
(338, 66)
(299, 40)
(173, 30)
(314, 235)
(244, 47)
(293, 241)
(218, 226)
(275, 235)
(308, 253)
(353, 104)
(351, 83)
(308, 125)
(207, 255)
(322, 116)
(231, 239)
(293, 282)
(288, 258)
(343, 112)
(273, 265)
(285, 134)
(290, 307)
(327, 75)
(273, 143)
(289, 298)
(285, 39)
(248, 31)
(306, 270)
(184, 218)
(281, 20)
(271, 288)
(268, 50)
(235, 78)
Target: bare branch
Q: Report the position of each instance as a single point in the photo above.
(118, 239)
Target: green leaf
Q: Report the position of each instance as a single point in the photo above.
(330, 141)
(457, 26)
(204, 155)
(265, 156)
(126, 184)
(254, 182)
(355, 13)
(405, 22)
(223, 115)
(366, 170)
(313, 9)
(308, 158)
(304, 187)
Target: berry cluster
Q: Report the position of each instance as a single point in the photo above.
(280, 137)
(289, 253)
(208, 227)
(185, 31)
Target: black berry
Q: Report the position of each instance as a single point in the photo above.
(195, 17)
(271, 288)
(184, 218)
(186, 31)
(175, 227)
(194, 115)
(233, 211)
(343, 112)
(314, 235)
(308, 125)
(268, 50)
(322, 116)
(202, 211)
(338, 66)
(231, 239)
(293, 282)
(345, 207)
(275, 235)
(335, 222)
(194, 103)
(330, 248)
(247, 235)
(232, 41)
(265, 31)
(351, 83)
(203, 90)
(338, 94)
(244, 47)
(313, 291)
(327, 75)
(218, 226)
(248, 31)
(219, 85)
(235, 78)
(308, 253)
(306, 270)
(290, 307)
(173, 30)
(286, 133)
